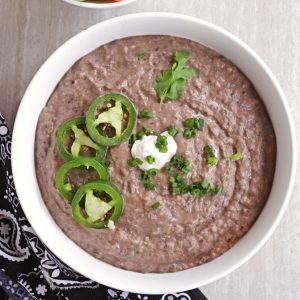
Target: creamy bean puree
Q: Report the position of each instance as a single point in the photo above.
(185, 230)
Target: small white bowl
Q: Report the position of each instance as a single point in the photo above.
(99, 5)
(42, 86)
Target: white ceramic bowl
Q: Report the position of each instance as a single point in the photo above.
(43, 85)
(99, 5)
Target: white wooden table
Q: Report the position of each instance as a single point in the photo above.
(30, 30)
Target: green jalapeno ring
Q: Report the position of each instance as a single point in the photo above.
(116, 203)
(64, 188)
(111, 116)
(81, 139)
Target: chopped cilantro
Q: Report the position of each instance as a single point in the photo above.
(172, 130)
(181, 163)
(144, 131)
(146, 114)
(150, 173)
(212, 159)
(193, 123)
(138, 135)
(188, 123)
(146, 177)
(199, 124)
(200, 188)
(150, 159)
(178, 185)
(203, 187)
(162, 143)
(149, 185)
(134, 162)
(189, 133)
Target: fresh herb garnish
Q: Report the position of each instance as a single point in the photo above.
(189, 133)
(150, 159)
(199, 124)
(181, 163)
(149, 185)
(156, 205)
(139, 135)
(212, 159)
(179, 185)
(200, 188)
(134, 162)
(193, 123)
(172, 130)
(236, 156)
(203, 187)
(188, 123)
(146, 177)
(146, 174)
(140, 54)
(146, 114)
(144, 131)
(170, 83)
(162, 143)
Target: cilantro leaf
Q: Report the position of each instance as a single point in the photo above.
(170, 83)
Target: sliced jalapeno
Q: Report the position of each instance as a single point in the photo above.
(111, 119)
(81, 143)
(95, 204)
(61, 181)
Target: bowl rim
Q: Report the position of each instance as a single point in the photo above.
(99, 5)
(152, 288)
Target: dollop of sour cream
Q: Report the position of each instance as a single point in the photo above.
(146, 146)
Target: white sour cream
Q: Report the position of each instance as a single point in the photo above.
(146, 146)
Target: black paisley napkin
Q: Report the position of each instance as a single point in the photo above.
(28, 270)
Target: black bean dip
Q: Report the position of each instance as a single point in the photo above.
(185, 231)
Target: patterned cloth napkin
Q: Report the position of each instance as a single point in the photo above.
(28, 270)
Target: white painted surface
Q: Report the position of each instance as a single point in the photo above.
(32, 29)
